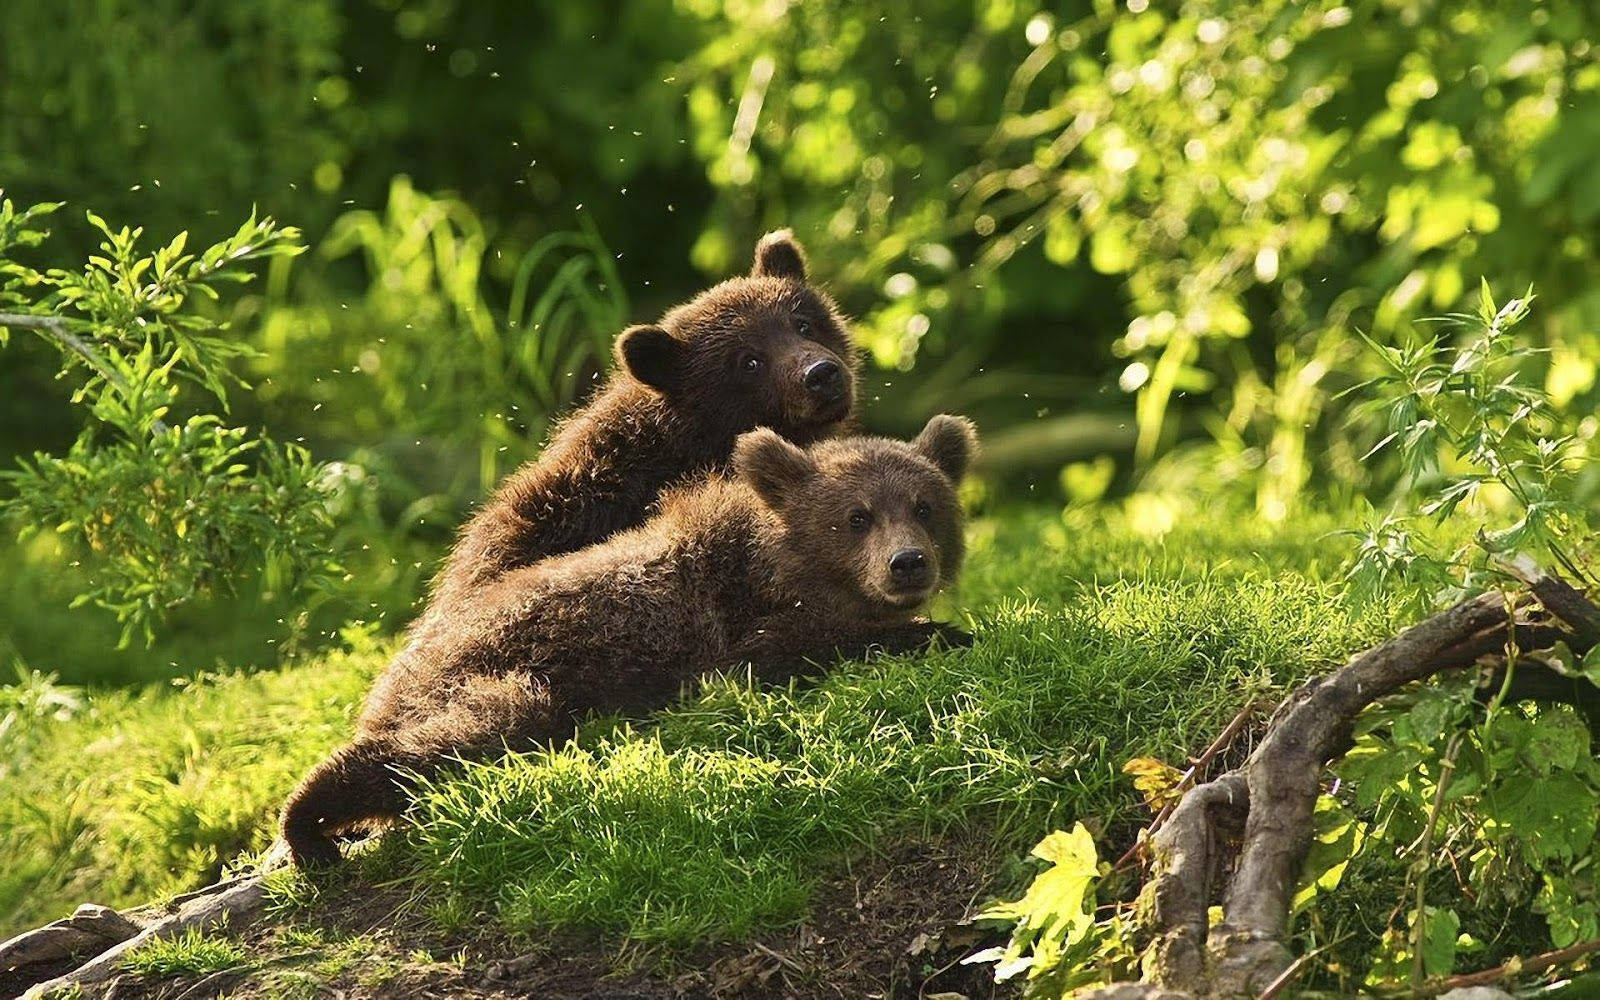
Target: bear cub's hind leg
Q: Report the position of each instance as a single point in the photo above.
(368, 781)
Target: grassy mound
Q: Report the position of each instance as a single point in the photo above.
(1096, 642)
(123, 797)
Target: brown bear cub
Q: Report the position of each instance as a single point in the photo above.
(767, 350)
(801, 555)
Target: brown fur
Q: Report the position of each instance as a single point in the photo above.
(785, 563)
(681, 394)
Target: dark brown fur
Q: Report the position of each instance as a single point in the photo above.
(682, 392)
(784, 564)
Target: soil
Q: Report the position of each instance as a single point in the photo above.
(891, 928)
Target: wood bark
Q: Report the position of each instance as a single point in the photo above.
(1273, 795)
(236, 900)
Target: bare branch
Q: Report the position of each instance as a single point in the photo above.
(1196, 768)
(1516, 967)
(1559, 598)
(237, 899)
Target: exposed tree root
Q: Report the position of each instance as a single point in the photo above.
(1197, 767)
(91, 927)
(108, 936)
(1266, 805)
(238, 899)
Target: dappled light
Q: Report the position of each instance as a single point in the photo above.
(639, 494)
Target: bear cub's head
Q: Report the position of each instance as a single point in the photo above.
(871, 526)
(767, 350)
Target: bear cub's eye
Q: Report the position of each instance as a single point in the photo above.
(922, 510)
(751, 364)
(859, 519)
(802, 326)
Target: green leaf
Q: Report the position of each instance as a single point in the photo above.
(1486, 306)
(1439, 941)
(1591, 664)
(1337, 838)
(1571, 905)
(1557, 740)
(1552, 819)
(1434, 713)
(1057, 910)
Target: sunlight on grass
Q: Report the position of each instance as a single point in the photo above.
(1096, 643)
(716, 820)
(136, 796)
(190, 953)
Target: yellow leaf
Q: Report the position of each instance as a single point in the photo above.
(1156, 780)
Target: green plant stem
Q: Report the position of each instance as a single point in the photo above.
(1503, 471)
(1425, 858)
(1499, 698)
(56, 329)
(1446, 775)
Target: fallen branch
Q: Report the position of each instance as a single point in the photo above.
(237, 899)
(1272, 797)
(1516, 967)
(90, 927)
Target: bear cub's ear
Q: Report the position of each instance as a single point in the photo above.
(651, 355)
(948, 442)
(772, 465)
(778, 255)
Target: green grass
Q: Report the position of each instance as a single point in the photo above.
(1096, 642)
(190, 953)
(1094, 645)
(124, 797)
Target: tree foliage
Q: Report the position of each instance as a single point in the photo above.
(1197, 203)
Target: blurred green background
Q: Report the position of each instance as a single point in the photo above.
(1133, 240)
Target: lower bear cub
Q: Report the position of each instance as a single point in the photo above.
(803, 555)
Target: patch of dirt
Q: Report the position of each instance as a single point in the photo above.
(888, 929)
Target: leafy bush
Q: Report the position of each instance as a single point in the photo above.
(1475, 435)
(166, 511)
(1470, 818)
(422, 375)
(1204, 199)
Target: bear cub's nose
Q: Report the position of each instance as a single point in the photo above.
(908, 566)
(825, 380)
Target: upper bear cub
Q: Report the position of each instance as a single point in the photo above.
(801, 555)
(767, 350)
